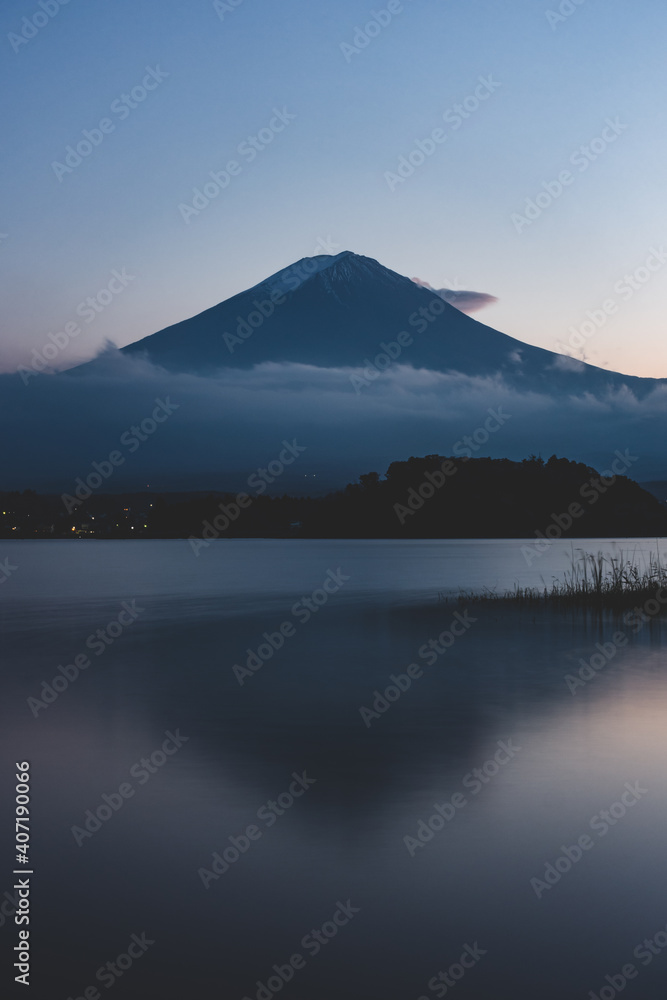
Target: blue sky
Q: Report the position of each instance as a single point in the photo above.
(322, 179)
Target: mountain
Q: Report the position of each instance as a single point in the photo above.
(337, 311)
(282, 362)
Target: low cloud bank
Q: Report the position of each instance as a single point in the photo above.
(219, 429)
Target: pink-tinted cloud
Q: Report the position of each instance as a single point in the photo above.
(467, 302)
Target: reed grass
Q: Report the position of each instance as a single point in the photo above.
(600, 580)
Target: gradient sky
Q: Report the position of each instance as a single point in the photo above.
(323, 178)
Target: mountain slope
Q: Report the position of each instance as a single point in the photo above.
(336, 311)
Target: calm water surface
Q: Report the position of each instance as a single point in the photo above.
(521, 763)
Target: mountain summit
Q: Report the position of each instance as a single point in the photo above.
(343, 270)
(327, 326)
(324, 310)
(337, 311)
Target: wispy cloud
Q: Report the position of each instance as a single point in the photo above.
(467, 302)
(229, 423)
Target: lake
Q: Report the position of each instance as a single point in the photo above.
(286, 767)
